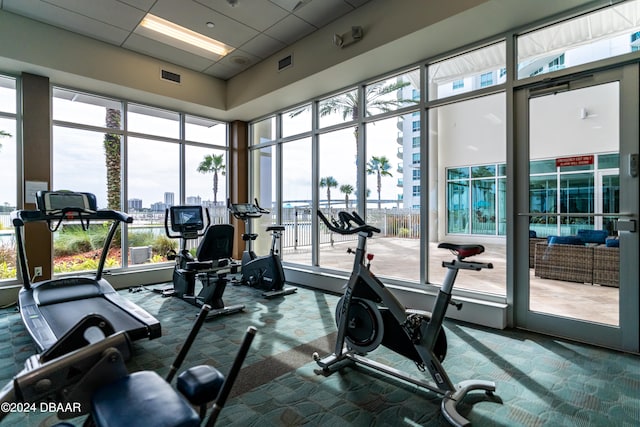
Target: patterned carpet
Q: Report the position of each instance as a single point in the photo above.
(540, 380)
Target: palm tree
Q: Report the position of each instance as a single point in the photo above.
(379, 166)
(347, 105)
(329, 182)
(213, 163)
(112, 158)
(346, 189)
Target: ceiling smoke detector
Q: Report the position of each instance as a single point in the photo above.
(232, 3)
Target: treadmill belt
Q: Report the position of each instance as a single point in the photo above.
(63, 316)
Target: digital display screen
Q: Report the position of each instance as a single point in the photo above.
(60, 201)
(186, 218)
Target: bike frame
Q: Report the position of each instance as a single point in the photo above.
(442, 384)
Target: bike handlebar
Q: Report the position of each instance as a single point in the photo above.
(345, 226)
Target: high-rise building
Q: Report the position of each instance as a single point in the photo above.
(134, 205)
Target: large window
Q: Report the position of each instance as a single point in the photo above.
(387, 130)
(468, 175)
(297, 206)
(89, 161)
(8, 175)
(479, 68)
(163, 151)
(598, 35)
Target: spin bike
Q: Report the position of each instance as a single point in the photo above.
(368, 315)
(261, 272)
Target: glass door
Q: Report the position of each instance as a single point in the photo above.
(578, 209)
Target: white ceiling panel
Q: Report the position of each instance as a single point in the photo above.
(263, 46)
(257, 14)
(320, 14)
(194, 16)
(255, 28)
(290, 30)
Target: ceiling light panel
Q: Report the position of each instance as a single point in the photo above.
(163, 30)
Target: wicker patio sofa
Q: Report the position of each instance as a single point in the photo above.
(572, 263)
(577, 259)
(606, 266)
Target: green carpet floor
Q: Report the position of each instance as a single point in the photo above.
(541, 381)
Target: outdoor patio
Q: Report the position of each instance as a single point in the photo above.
(399, 258)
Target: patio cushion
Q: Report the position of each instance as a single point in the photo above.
(612, 243)
(565, 240)
(593, 236)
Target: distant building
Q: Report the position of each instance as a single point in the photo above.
(134, 205)
(159, 206)
(194, 200)
(168, 198)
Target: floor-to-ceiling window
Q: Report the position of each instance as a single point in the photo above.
(8, 175)
(134, 158)
(467, 169)
(297, 186)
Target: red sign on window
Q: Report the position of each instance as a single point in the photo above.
(574, 161)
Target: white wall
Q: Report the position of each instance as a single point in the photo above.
(558, 129)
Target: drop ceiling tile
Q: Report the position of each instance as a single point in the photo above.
(71, 21)
(257, 14)
(221, 71)
(194, 16)
(290, 29)
(263, 46)
(111, 12)
(140, 4)
(320, 14)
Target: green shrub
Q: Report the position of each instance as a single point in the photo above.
(404, 232)
(162, 244)
(145, 238)
(7, 271)
(80, 263)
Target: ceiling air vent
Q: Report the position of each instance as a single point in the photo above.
(285, 62)
(169, 76)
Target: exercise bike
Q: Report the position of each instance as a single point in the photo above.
(94, 380)
(211, 265)
(369, 315)
(261, 272)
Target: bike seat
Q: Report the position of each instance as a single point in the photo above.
(249, 236)
(462, 251)
(275, 228)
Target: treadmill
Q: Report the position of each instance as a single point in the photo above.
(52, 308)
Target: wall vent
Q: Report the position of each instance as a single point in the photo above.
(170, 77)
(285, 62)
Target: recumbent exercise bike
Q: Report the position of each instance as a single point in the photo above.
(261, 272)
(94, 380)
(211, 264)
(369, 315)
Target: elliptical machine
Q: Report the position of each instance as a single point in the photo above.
(368, 315)
(261, 272)
(211, 265)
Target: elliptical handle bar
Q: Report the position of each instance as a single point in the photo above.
(344, 225)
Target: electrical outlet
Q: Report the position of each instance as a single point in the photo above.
(37, 272)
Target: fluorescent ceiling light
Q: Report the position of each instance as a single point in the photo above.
(169, 29)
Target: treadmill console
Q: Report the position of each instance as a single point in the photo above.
(186, 219)
(61, 201)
